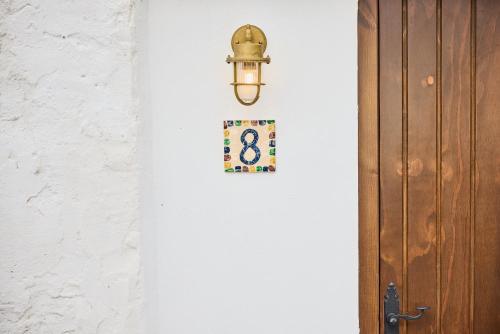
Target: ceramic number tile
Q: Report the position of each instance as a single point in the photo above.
(249, 146)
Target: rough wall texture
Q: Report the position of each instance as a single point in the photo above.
(69, 240)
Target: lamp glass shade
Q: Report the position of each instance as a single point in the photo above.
(247, 80)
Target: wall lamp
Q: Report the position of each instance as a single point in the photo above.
(248, 44)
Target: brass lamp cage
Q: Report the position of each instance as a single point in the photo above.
(248, 43)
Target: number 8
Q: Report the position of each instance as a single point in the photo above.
(252, 145)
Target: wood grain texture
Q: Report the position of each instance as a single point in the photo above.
(368, 166)
(430, 162)
(422, 272)
(455, 167)
(487, 169)
(391, 194)
(404, 160)
(472, 162)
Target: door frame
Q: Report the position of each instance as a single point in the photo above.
(368, 166)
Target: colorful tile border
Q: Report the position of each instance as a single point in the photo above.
(249, 146)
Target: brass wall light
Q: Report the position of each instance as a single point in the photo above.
(248, 43)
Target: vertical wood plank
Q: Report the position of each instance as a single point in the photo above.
(391, 195)
(487, 169)
(472, 162)
(422, 135)
(404, 160)
(368, 166)
(455, 167)
(439, 158)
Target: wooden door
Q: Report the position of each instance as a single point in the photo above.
(429, 162)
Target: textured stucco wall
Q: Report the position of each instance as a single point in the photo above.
(69, 193)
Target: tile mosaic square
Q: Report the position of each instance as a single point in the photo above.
(249, 146)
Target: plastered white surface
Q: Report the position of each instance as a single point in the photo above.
(69, 195)
(268, 253)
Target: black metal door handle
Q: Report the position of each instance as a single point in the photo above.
(391, 311)
(393, 318)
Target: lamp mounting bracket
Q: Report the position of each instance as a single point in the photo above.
(249, 33)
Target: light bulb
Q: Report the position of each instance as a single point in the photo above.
(247, 73)
(249, 77)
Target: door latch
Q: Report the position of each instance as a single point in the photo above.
(391, 311)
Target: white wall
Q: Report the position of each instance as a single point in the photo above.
(227, 258)
(69, 200)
